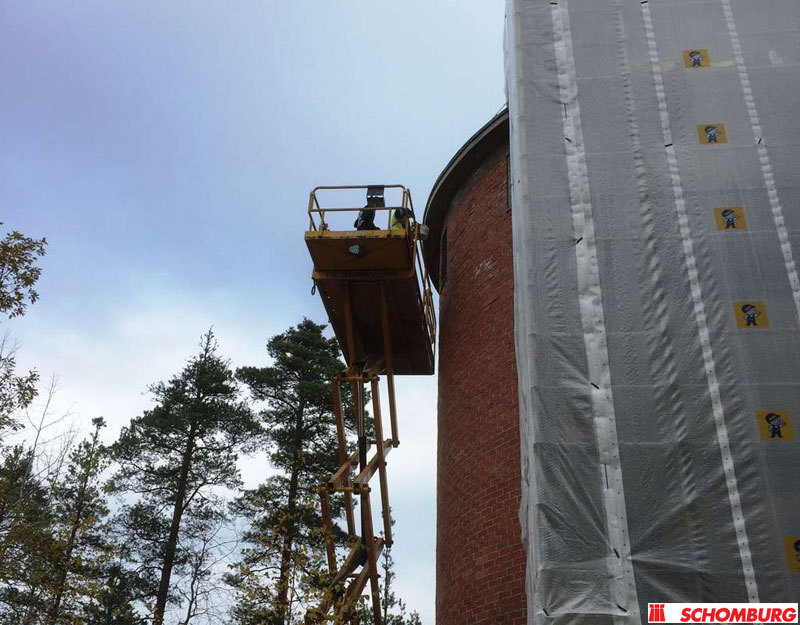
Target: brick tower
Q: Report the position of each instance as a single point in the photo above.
(480, 560)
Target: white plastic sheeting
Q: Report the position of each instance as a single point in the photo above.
(655, 164)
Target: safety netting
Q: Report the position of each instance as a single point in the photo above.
(655, 181)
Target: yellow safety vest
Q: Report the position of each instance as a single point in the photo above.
(397, 224)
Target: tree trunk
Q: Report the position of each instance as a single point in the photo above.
(55, 606)
(282, 603)
(80, 502)
(172, 540)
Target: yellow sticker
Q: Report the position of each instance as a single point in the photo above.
(696, 58)
(775, 425)
(730, 218)
(791, 545)
(710, 134)
(750, 315)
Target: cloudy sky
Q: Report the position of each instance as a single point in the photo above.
(166, 150)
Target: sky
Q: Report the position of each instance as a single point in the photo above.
(166, 151)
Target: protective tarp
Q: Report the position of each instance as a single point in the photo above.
(655, 164)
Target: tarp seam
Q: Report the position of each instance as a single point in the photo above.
(763, 157)
(699, 313)
(671, 408)
(593, 322)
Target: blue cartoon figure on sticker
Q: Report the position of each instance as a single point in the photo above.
(696, 58)
(730, 217)
(775, 424)
(751, 315)
(712, 133)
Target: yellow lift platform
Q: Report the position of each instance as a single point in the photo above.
(370, 277)
(378, 297)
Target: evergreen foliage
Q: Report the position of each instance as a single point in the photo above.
(141, 532)
(27, 545)
(175, 458)
(79, 510)
(282, 559)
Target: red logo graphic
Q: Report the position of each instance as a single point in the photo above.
(722, 613)
(656, 613)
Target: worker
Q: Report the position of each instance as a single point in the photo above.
(366, 218)
(399, 219)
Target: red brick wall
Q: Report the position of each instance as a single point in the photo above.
(480, 561)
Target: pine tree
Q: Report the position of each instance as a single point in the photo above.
(79, 509)
(175, 456)
(129, 579)
(27, 545)
(113, 604)
(282, 558)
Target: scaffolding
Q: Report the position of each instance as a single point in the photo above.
(377, 293)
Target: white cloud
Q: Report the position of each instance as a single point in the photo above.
(107, 372)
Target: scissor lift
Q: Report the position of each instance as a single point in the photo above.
(377, 294)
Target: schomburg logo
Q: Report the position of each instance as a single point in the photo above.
(656, 613)
(722, 613)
